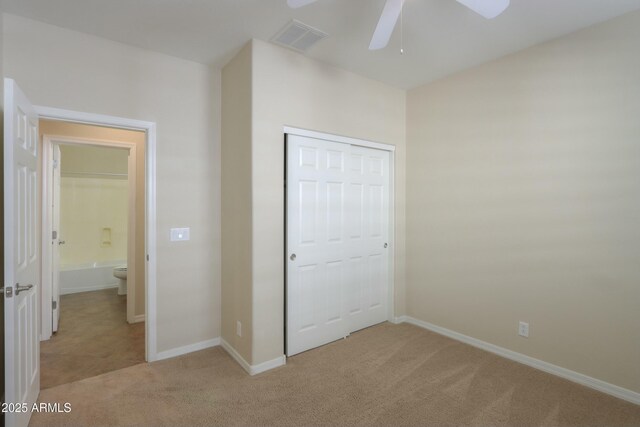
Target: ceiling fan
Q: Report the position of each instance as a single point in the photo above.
(392, 9)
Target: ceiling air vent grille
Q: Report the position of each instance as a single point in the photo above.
(298, 36)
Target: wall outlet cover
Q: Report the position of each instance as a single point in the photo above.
(523, 329)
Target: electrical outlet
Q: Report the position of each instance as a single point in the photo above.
(523, 329)
(239, 328)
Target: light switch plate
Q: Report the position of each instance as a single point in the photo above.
(179, 234)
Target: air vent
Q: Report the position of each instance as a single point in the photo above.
(298, 36)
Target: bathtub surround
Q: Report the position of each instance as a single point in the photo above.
(88, 206)
(89, 277)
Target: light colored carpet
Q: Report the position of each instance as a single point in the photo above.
(386, 375)
(93, 338)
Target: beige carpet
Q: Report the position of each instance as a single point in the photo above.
(93, 338)
(387, 375)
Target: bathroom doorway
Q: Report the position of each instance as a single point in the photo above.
(93, 250)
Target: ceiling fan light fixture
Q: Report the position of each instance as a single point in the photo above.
(393, 10)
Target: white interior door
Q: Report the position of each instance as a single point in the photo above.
(368, 225)
(56, 240)
(22, 255)
(337, 231)
(317, 243)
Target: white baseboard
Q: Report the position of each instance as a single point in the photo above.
(399, 319)
(268, 365)
(611, 389)
(139, 318)
(253, 369)
(77, 290)
(235, 355)
(179, 351)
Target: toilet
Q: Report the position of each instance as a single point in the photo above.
(121, 274)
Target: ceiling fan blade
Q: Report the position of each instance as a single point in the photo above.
(487, 8)
(294, 4)
(386, 24)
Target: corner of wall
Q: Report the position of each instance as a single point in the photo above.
(215, 178)
(236, 178)
(400, 168)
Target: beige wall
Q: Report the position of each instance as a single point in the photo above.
(77, 160)
(290, 89)
(236, 202)
(91, 159)
(523, 202)
(80, 72)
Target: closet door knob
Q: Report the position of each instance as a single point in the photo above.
(292, 257)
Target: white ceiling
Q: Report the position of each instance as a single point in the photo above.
(441, 37)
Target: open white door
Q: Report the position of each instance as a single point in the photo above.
(55, 240)
(50, 286)
(22, 255)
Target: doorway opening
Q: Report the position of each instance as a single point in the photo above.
(93, 287)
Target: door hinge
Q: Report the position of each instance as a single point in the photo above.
(54, 304)
(54, 235)
(55, 164)
(147, 257)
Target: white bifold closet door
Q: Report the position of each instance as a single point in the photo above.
(337, 240)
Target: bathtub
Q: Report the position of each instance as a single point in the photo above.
(88, 277)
